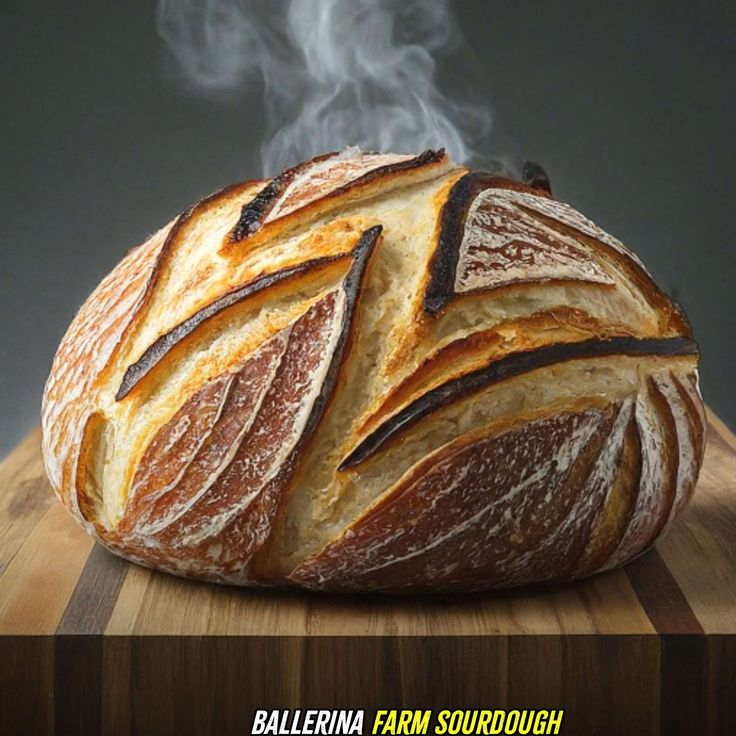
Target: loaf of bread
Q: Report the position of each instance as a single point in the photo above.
(377, 372)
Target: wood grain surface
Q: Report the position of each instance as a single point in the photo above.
(90, 643)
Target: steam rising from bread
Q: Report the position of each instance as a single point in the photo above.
(334, 73)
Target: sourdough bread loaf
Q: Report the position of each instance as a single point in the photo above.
(377, 372)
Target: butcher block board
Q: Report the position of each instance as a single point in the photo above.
(90, 643)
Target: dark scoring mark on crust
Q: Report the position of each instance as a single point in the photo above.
(351, 286)
(254, 214)
(536, 177)
(165, 251)
(509, 367)
(158, 349)
(440, 287)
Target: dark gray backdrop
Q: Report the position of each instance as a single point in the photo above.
(630, 105)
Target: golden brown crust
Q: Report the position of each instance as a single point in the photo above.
(84, 353)
(648, 505)
(507, 521)
(672, 316)
(623, 492)
(96, 335)
(377, 372)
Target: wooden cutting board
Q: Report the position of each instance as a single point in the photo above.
(90, 642)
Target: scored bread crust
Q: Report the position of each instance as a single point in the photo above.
(377, 372)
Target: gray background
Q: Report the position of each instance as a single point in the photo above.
(629, 105)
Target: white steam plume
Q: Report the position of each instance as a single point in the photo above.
(334, 72)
